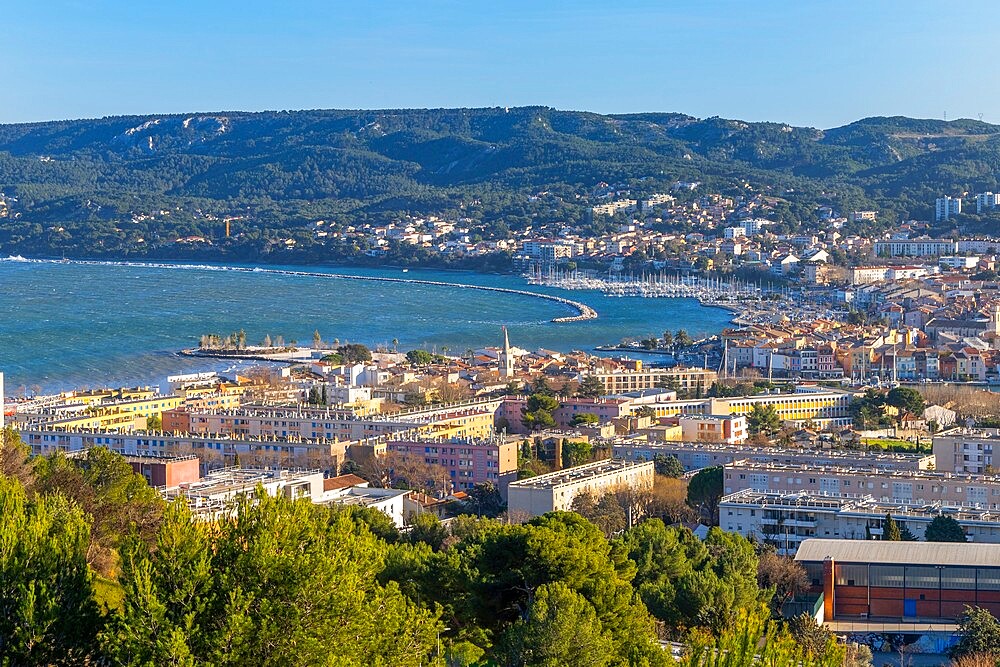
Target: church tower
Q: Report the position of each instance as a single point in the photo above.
(506, 358)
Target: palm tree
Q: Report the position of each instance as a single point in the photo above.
(395, 345)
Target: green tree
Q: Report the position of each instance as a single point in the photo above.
(14, 457)
(576, 453)
(906, 400)
(682, 339)
(591, 387)
(705, 491)
(281, 582)
(508, 564)
(582, 418)
(537, 412)
(668, 465)
(559, 628)
(979, 634)
(754, 639)
(890, 530)
(763, 419)
(688, 583)
(354, 353)
(668, 338)
(49, 616)
(419, 357)
(427, 528)
(485, 500)
(944, 528)
(117, 500)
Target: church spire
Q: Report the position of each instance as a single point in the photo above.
(506, 357)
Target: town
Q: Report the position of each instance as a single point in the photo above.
(776, 445)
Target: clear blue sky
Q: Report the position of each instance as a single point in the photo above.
(801, 61)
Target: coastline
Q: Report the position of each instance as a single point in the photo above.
(583, 311)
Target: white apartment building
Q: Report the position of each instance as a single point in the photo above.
(924, 247)
(986, 201)
(864, 275)
(901, 486)
(555, 491)
(946, 207)
(697, 455)
(784, 520)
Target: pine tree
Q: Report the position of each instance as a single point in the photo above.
(47, 610)
(890, 530)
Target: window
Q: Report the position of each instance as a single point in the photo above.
(886, 576)
(851, 575)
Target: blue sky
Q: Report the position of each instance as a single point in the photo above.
(808, 63)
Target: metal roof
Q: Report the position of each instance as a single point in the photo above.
(899, 553)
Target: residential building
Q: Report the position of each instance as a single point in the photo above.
(165, 470)
(697, 455)
(785, 520)
(904, 487)
(213, 451)
(967, 450)
(922, 247)
(947, 207)
(691, 380)
(986, 201)
(728, 429)
(469, 461)
(214, 496)
(555, 491)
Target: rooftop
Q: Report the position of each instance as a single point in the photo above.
(900, 553)
(579, 473)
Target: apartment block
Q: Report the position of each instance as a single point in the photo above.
(555, 491)
(902, 487)
(697, 455)
(785, 520)
(469, 461)
(966, 450)
(691, 380)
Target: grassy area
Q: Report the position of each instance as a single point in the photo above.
(896, 445)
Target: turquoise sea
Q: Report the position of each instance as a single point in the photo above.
(66, 325)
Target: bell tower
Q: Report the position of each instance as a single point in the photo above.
(506, 358)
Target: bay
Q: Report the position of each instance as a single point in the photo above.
(66, 325)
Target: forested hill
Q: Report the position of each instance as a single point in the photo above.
(283, 170)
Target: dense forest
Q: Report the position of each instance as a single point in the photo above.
(96, 569)
(131, 186)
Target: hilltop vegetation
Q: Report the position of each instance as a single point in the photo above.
(130, 185)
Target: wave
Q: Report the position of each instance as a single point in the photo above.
(583, 311)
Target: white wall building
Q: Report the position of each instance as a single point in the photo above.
(555, 491)
(946, 207)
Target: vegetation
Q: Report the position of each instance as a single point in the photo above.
(536, 415)
(944, 528)
(763, 420)
(705, 492)
(261, 186)
(279, 582)
(979, 635)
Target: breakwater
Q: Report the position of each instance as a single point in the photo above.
(583, 311)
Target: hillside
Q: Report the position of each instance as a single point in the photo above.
(69, 184)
